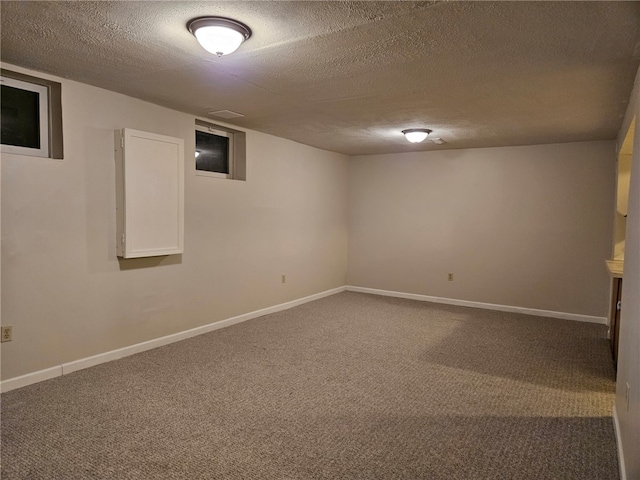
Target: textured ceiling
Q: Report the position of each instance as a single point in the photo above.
(348, 76)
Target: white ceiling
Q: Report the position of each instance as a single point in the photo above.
(348, 76)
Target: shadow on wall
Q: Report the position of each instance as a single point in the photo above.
(148, 262)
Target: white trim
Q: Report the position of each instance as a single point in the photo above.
(211, 130)
(87, 362)
(29, 378)
(69, 367)
(616, 428)
(487, 306)
(43, 118)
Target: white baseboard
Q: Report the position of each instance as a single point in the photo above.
(616, 427)
(29, 378)
(486, 306)
(82, 363)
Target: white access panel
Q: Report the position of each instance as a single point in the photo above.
(149, 194)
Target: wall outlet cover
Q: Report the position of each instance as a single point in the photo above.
(7, 334)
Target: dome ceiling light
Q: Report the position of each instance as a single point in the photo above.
(416, 135)
(219, 35)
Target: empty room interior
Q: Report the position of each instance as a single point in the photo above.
(353, 240)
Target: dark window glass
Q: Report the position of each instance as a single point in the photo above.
(20, 117)
(213, 152)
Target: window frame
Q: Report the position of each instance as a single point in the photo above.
(43, 118)
(211, 130)
(53, 137)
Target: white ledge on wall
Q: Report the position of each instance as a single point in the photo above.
(616, 428)
(82, 363)
(70, 367)
(486, 306)
(30, 378)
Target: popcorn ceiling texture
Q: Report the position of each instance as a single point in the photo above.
(348, 76)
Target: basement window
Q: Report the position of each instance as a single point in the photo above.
(220, 151)
(214, 152)
(31, 115)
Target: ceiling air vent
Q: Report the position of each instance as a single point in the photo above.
(226, 114)
(437, 140)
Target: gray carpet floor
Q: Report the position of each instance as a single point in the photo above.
(352, 386)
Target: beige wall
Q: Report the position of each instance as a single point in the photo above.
(629, 348)
(67, 295)
(519, 226)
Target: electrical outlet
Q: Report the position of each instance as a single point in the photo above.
(626, 395)
(284, 279)
(450, 277)
(7, 334)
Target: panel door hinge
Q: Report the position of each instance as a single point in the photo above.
(619, 305)
(122, 141)
(122, 239)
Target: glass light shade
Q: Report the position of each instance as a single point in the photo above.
(219, 40)
(416, 135)
(219, 35)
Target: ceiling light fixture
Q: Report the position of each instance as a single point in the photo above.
(219, 35)
(416, 135)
